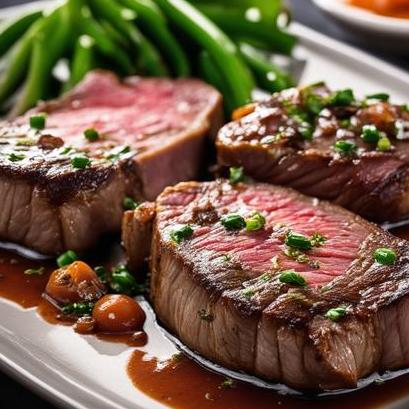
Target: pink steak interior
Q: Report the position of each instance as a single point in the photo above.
(255, 250)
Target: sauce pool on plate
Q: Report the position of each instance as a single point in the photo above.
(180, 381)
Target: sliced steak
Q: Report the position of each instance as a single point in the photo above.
(225, 294)
(151, 135)
(290, 139)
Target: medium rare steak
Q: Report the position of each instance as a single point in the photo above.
(150, 134)
(327, 145)
(263, 279)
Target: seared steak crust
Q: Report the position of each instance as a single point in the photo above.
(281, 141)
(220, 290)
(151, 135)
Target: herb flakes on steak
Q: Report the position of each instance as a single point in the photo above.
(274, 315)
(67, 165)
(327, 145)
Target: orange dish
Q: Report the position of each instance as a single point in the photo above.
(391, 8)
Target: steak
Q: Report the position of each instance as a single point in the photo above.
(226, 293)
(152, 133)
(311, 140)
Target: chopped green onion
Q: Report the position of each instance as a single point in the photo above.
(345, 146)
(318, 240)
(91, 134)
(265, 277)
(78, 308)
(129, 204)
(314, 104)
(37, 121)
(16, 157)
(236, 175)
(233, 222)
(34, 271)
(298, 241)
(384, 256)
(248, 292)
(80, 162)
(122, 281)
(255, 222)
(306, 131)
(381, 96)
(384, 144)
(66, 258)
(343, 97)
(334, 314)
(181, 233)
(291, 277)
(101, 273)
(227, 384)
(345, 123)
(370, 134)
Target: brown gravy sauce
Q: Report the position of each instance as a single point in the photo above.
(180, 382)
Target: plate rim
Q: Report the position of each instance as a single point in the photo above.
(364, 19)
(58, 396)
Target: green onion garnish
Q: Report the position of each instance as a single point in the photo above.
(384, 256)
(91, 134)
(255, 222)
(248, 292)
(80, 162)
(34, 271)
(314, 104)
(306, 131)
(78, 308)
(233, 222)
(343, 97)
(101, 273)
(291, 277)
(345, 146)
(381, 96)
(181, 233)
(236, 175)
(384, 144)
(16, 157)
(129, 204)
(66, 258)
(334, 314)
(298, 241)
(122, 281)
(370, 134)
(317, 240)
(37, 121)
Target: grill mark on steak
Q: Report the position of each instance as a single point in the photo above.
(279, 331)
(152, 134)
(268, 143)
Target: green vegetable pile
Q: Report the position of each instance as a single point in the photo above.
(228, 44)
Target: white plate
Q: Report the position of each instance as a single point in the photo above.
(387, 30)
(86, 373)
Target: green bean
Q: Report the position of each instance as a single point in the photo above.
(269, 77)
(223, 51)
(18, 60)
(12, 30)
(103, 42)
(259, 33)
(49, 45)
(116, 36)
(209, 71)
(149, 60)
(153, 22)
(83, 61)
